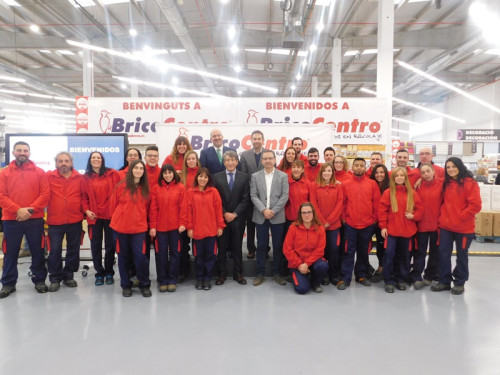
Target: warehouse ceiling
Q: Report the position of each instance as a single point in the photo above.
(278, 45)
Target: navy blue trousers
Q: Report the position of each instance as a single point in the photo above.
(396, 260)
(13, 232)
(358, 242)
(231, 240)
(425, 240)
(332, 253)
(262, 243)
(95, 234)
(205, 250)
(132, 248)
(73, 233)
(302, 283)
(168, 254)
(461, 271)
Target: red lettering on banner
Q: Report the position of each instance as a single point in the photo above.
(345, 106)
(170, 106)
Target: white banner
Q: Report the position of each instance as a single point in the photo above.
(320, 121)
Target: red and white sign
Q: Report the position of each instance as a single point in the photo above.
(82, 114)
(324, 121)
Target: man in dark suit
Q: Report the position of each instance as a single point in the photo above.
(250, 163)
(234, 190)
(269, 194)
(211, 158)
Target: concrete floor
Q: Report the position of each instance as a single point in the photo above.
(238, 330)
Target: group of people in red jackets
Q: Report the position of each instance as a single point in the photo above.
(331, 215)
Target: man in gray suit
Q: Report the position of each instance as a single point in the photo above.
(250, 163)
(269, 194)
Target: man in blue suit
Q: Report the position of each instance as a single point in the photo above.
(212, 157)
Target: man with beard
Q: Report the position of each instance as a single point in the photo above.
(250, 163)
(297, 144)
(402, 158)
(311, 168)
(24, 193)
(67, 204)
(361, 197)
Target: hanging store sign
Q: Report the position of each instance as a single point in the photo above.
(478, 134)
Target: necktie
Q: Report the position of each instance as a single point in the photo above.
(219, 155)
(231, 181)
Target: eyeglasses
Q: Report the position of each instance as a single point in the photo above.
(425, 153)
(306, 212)
(151, 156)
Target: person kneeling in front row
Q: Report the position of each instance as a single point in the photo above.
(304, 249)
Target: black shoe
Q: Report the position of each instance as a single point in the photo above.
(251, 255)
(110, 280)
(389, 288)
(71, 283)
(207, 285)
(240, 279)
(364, 282)
(440, 287)
(199, 285)
(457, 290)
(41, 287)
(402, 286)
(127, 292)
(325, 281)
(342, 285)
(54, 287)
(146, 291)
(377, 277)
(417, 285)
(220, 280)
(7, 291)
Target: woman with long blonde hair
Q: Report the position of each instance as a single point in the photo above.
(399, 210)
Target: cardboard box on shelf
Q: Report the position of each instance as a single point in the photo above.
(485, 192)
(484, 223)
(495, 197)
(496, 224)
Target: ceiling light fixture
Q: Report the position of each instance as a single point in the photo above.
(35, 28)
(175, 89)
(405, 121)
(133, 32)
(234, 49)
(23, 93)
(448, 86)
(162, 65)
(400, 101)
(13, 79)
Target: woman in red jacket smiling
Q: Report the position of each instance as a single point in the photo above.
(166, 222)
(285, 164)
(129, 219)
(430, 192)
(204, 224)
(101, 182)
(190, 168)
(176, 157)
(304, 248)
(461, 202)
(341, 169)
(327, 197)
(398, 210)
